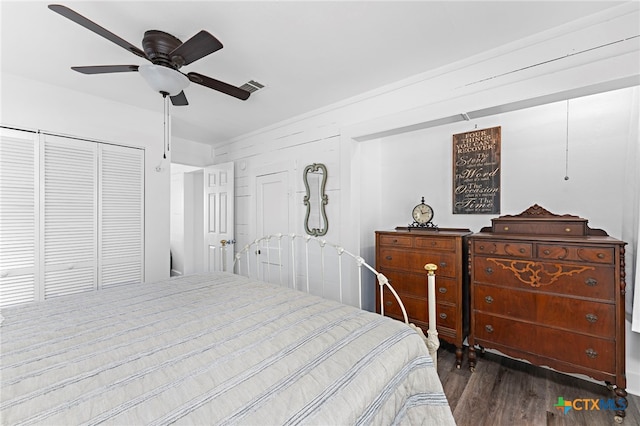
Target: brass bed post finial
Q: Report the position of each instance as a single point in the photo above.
(433, 343)
(431, 268)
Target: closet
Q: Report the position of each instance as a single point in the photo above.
(71, 216)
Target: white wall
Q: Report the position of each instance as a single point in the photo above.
(186, 218)
(32, 105)
(177, 234)
(290, 152)
(535, 157)
(382, 155)
(184, 151)
(194, 230)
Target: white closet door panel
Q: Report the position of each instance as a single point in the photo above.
(121, 273)
(18, 216)
(70, 216)
(16, 289)
(69, 281)
(121, 233)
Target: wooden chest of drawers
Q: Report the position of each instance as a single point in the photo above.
(401, 256)
(550, 290)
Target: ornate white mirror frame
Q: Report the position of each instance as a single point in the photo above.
(315, 180)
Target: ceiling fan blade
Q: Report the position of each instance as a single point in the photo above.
(105, 69)
(218, 85)
(92, 26)
(179, 100)
(197, 47)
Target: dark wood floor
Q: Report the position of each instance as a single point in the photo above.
(503, 391)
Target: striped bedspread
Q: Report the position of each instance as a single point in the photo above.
(212, 349)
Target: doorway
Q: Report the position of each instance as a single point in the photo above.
(202, 202)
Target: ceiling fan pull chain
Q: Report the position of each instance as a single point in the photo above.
(167, 124)
(566, 153)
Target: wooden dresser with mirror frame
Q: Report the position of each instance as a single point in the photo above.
(550, 290)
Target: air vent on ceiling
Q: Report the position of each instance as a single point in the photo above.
(252, 86)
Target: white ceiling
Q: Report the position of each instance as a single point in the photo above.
(308, 54)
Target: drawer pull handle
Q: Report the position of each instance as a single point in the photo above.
(389, 258)
(443, 316)
(481, 247)
(489, 328)
(489, 270)
(600, 255)
(433, 243)
(395, 241)
(591, 353)
(547, 252)
(506, 228)
(442, 290)
(591, 318)
(591, 282)
(567, 229)
(443, 264)
(522, 250)
(488, 299)
(388, 303)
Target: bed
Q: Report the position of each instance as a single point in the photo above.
(213, 348)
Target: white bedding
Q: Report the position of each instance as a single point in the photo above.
(212, 349)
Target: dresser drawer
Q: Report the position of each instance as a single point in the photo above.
(395, 241)
(408, 260)
(502, 248)
(576, 253)
(593, 318)
(435, 243)
(446, 315)
(416, 285)
(416, 308)
(407, 283)
(569, 228)
(590, 352)
(447, 290)
(597, 282)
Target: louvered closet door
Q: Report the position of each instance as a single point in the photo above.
(121, 225)
(69, 216)
(18, 217)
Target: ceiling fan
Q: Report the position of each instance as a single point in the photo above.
(167, 55)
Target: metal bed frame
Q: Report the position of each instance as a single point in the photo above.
(250, 262)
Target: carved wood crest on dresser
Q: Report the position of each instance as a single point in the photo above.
(401, 256)
(548, 289)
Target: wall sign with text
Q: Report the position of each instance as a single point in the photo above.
(476, 172)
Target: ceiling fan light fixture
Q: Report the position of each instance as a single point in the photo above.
(163, 79)
(167, 54)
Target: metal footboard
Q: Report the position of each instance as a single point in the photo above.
(308, 260)
(304, 261)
